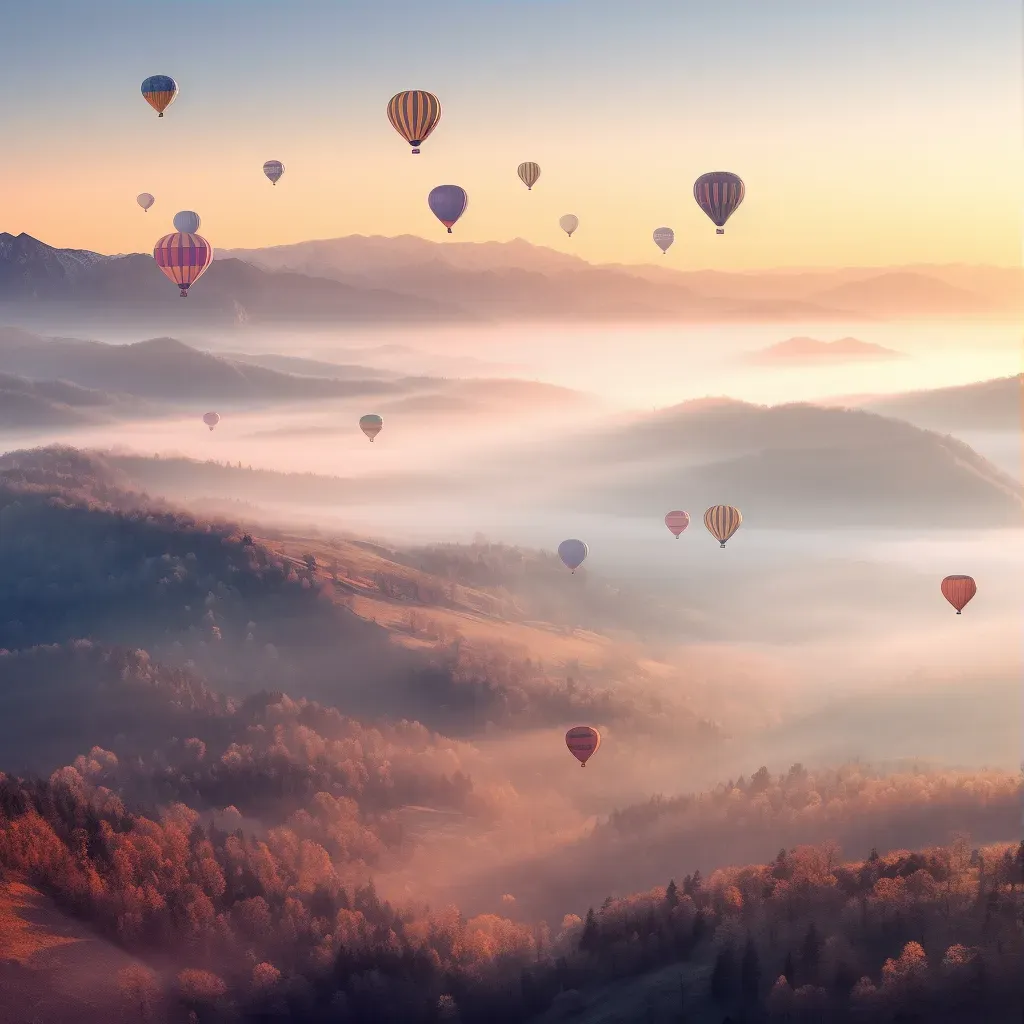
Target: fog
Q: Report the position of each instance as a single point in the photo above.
(816, 646)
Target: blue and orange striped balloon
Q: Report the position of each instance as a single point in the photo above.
(183, 257)
(159, 91)
(414, 114)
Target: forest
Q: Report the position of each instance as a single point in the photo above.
(192, 770)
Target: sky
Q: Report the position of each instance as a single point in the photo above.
(868, 132)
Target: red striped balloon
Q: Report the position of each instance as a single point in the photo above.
(677, 522)
(958, 590)
(582, 741)
(184, 258)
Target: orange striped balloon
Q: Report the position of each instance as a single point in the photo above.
(958, 590)
(582, 742)
(677, 522)
(414, 115)
(722, 522)
(529, 172)
(183, 257)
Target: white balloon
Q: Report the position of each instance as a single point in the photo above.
(187, 221)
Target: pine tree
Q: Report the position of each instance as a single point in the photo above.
(672, 895)
(789, 969)
(722, 981)
(750, 972)
(810, 954)
(589, 937)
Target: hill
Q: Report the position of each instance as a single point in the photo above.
(504, 278)
(27, 405)
(161, 369)
(793, 466)
(987, 405)
(39, 278)
(313, 367)
(810, 352)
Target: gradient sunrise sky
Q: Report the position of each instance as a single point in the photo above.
(869, 132)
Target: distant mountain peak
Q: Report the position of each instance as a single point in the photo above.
(812, 351)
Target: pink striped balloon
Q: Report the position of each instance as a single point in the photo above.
(677, 522)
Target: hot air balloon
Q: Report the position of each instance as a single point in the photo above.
(582, 741)
(958, 590)
(159, 91)
(718, 194)
(572, 553)
(187, 221)
(677, 522)
(448, 203)
(529, 172)
(145, 200)
(211, 419)
(273, 169)
(722, 522)
(184, 257)
(569, 223)
(370, 425)
(414, 115)
(663, 238)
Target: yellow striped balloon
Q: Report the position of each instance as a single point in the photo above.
(722, 522)
(529, 172)
(414, 115)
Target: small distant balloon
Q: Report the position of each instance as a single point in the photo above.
(159, 91)
(211, 419)
(145, 200)
(187, 221)
(582, 741)
(183, 257)
(414, 114)
(958, 590)
(448, 203)
(529, 172)
(722, 521)
(677, 522)
(370, 425)
(273, 169)
(569, 223)
(718, 194)
(663, 238)
(572, 553)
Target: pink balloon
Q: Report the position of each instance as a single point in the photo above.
(677, 522)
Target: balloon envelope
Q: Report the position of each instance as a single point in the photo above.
(718, 194)
(159, 91)
(370, 425)
(187, 221)
(211, 419)
(183, 257)
(145, 200)
(582, 741)
(663, 238)
(414, 114)
(572, 553)
(448, 203)
(273, 169)
(722, 522)
(529, 172)
(569, 223)
(677, 522)
(958, 590)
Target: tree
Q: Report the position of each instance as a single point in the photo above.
(589, 936)
(672, 895)
(789, 969)
(722, 980)
(810, 954)
(750, 972)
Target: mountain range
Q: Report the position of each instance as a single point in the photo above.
(409, 279)
(811, 352)
(987, 405)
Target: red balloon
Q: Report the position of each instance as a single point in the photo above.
(958, 590)
(582, 741)
(677, 522)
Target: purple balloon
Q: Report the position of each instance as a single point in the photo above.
(448, 203)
